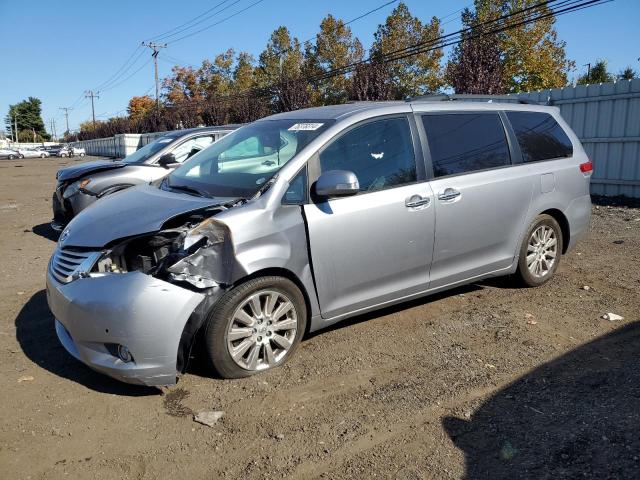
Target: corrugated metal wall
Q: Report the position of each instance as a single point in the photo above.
(123, 144)
(606, 118)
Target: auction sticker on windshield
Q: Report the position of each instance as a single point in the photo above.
(305, 126)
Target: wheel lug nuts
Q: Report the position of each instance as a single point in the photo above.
(259, 339)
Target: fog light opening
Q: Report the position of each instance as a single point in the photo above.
(124, 354)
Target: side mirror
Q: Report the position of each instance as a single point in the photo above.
(337, 183)
(167, 160)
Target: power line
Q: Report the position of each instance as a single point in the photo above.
(118, 72)
(179, 30)
(565, 6)
(191, 34)
(111, 87)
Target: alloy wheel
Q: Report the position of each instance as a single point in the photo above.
(262, 330)
(542, 251)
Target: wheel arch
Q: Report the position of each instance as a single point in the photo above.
(562, 220)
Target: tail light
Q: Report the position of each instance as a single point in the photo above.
(586, 167)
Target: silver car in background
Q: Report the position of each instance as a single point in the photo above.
(305, 218)
(79, 186)
(32, 153)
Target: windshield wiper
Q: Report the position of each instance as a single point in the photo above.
(188, 189)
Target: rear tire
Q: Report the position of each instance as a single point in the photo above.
(540, 251)
(251, 328)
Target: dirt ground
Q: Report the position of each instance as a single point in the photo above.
(486, 381)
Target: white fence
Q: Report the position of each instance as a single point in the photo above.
(123, 144)
(606, 118)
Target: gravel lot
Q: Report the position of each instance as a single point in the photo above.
(486, 381)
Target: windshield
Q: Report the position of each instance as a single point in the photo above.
(149, 150)
(239, 164)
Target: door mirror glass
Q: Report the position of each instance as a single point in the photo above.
(167, 160)
(337, 183)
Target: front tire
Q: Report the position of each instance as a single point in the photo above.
(540, 251)
(255, 327)
(42, 156)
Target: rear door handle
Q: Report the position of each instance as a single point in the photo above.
(448, 194)
(417, 201)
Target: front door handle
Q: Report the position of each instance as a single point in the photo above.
(415, 201)
(448, 194)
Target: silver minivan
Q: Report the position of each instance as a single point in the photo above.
(302, 219)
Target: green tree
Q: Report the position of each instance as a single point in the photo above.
(417, 74)
(282, 54)
(279, 72)
(334, 48)
(28, 115)
(534, 58)
(628, 74)
(596, 74)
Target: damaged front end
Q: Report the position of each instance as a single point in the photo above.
(193, 251)
(146, 295)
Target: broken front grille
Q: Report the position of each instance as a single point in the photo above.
(67, 264)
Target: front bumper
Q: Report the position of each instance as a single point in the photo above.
(143, 313)
(64, 209)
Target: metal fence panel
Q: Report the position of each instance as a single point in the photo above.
(606, 118)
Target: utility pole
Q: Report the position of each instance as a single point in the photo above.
(52, 127)
(15, 127)
(66, 114)
(588, 65)
(91, 94)
(156, 49)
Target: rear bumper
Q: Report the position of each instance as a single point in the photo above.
(143, 313)
(578, 214)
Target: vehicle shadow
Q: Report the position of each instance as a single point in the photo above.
(575, 417)
(36, 335)
(45, 230)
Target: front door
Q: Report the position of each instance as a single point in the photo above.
(375, 246)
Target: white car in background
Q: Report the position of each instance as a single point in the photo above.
(32, 153)
(8, 153)
(77, 152)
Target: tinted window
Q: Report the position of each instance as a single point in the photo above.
(380, 153)
(462, 143)
(540, 137)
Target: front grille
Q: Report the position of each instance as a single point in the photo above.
(67, 262)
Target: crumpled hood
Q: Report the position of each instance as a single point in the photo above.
(134, 211)
(77, 171)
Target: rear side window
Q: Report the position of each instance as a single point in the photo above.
(540, 137)
(461, 143)
(380, 153)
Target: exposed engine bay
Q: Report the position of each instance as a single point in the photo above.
(193, 249)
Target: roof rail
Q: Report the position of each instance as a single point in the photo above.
(445, 97)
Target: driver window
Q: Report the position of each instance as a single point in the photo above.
(380, 153)
(188, 149)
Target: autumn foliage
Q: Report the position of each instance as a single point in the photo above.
(235, 87)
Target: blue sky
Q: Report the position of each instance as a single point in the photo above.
(57, 50)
